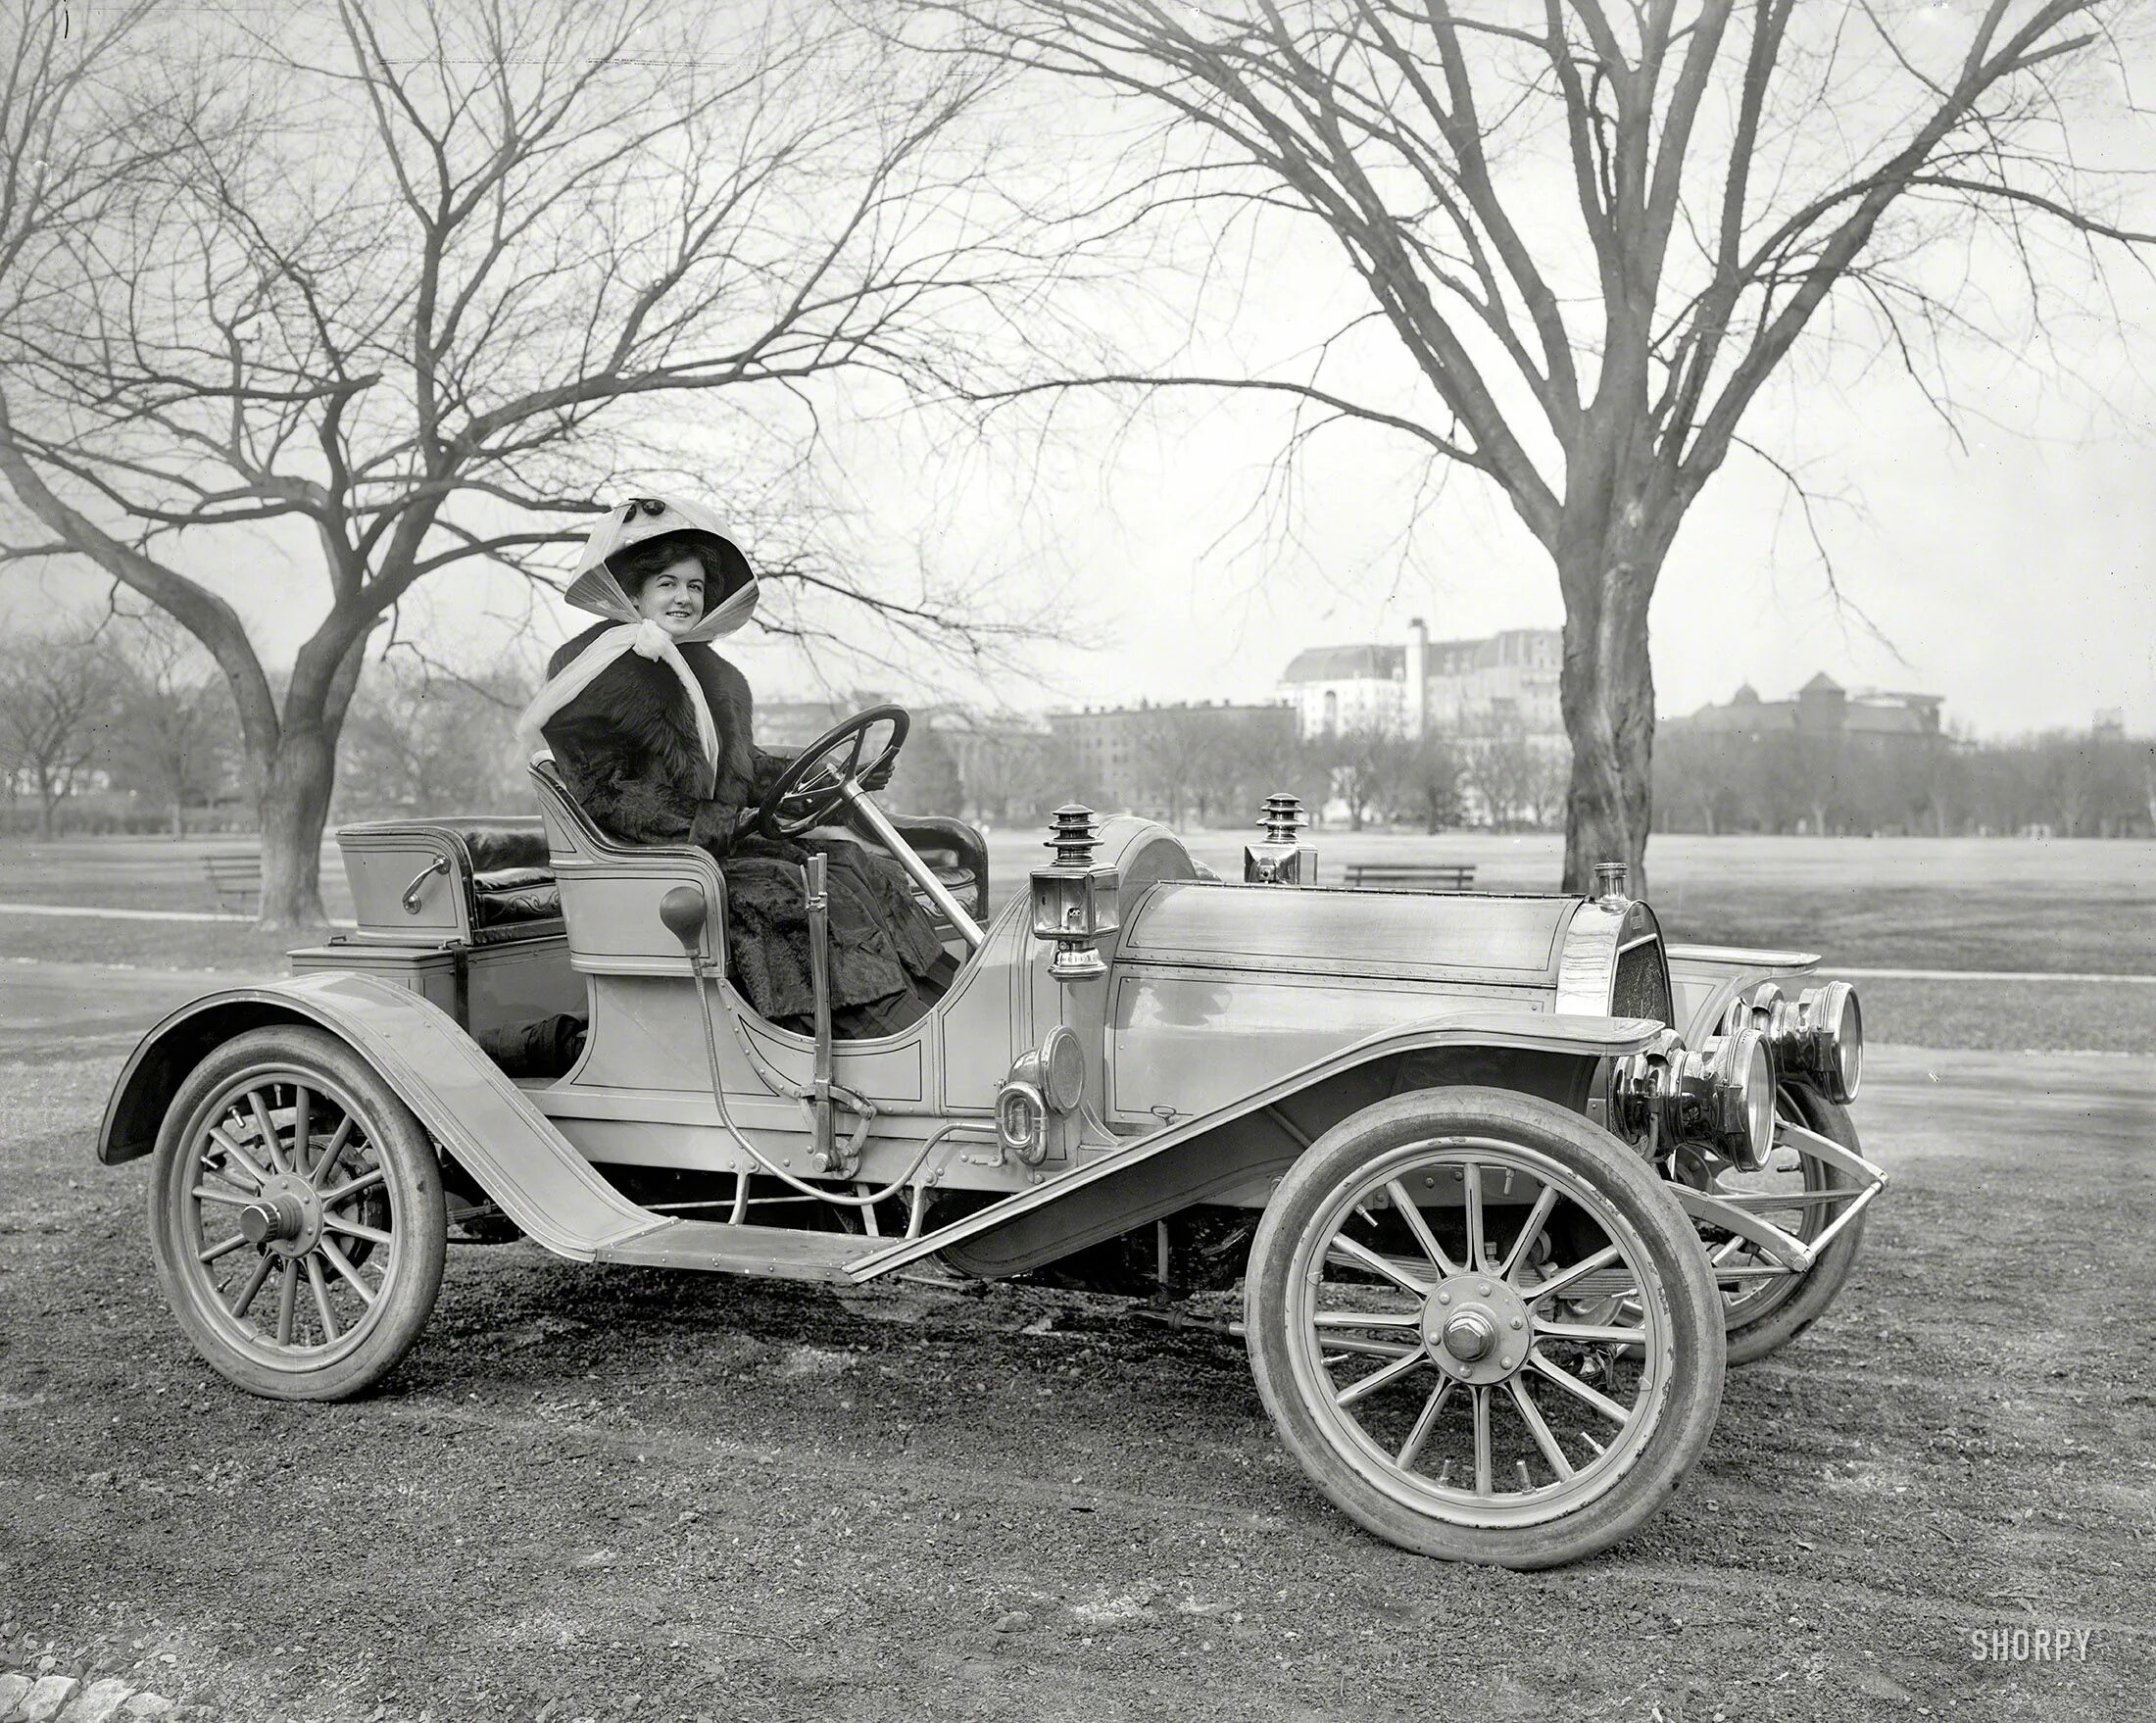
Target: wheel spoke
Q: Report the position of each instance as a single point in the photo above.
(1484, 1484)
(220, 1194)
(239, 1157)
(245, 1296)
(366, 1181)
(211, 1252)
(1578, 1389)
(356, 1229)
(338, 1140)
(1586, 1265)
(1531, 1229)
(1362, 1256)
(1420, 1227)
(287, 1297)
(302, 1123)
(1378, 1379)
(1323, 1319)
(1471, 1178)
(1424, 1424)
(1591, 1333)
(272, 1143)
(1541, 1431)
(343, 1265)
(1338, 1346)
(329, 1329)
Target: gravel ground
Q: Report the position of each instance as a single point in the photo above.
(625, 1493)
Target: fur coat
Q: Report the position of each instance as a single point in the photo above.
(628, 751)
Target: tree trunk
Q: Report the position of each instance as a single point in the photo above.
(1607, 696)
(295, 805)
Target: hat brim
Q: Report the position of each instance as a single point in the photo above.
(597, 589)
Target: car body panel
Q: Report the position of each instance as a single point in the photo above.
(1180, 1148)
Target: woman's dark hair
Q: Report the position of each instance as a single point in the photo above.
(640, 562)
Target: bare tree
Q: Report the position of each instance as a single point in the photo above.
(1596, 231)
(400, 298)
(172, 730)
(1365, 762)
(56, 703)
(1503, 766)
(418, 740)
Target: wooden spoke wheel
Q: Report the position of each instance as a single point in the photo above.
(1764, 1311)
(1427, 1316)
(296, 1216)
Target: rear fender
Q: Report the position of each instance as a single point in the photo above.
(1259, 1135)
(475, 1113)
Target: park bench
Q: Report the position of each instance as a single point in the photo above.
(238, 882)
(1415, 877)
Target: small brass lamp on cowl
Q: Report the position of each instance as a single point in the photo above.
(1280, 857)
(1073, 901)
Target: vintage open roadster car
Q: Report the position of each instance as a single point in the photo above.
(1505, 1179)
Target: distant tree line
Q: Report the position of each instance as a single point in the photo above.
(2069, 784)
(124, 725)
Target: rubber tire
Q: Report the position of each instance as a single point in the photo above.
(1693, 1387)
(1818, 1287)
(414, 1184)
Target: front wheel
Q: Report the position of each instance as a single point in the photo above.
(296, 1216)
(1484, 1328)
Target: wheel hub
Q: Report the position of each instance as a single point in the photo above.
(1475, 1328)
(285, 1219)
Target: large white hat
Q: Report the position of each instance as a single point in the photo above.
(596, 589)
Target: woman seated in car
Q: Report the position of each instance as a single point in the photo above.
(650, 731)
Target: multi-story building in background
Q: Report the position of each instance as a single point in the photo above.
(1508, 682)
(1821, 708)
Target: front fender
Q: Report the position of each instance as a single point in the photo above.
(1260, 1133)
(461, 1096)
(1706, 977)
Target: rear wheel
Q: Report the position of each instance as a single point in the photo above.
(1425, 1314)
(296, 1216)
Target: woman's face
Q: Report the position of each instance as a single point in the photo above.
(673, 598)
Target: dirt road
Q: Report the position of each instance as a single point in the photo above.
(617, 1493)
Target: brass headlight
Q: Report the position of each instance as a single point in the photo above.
(1818, 1036)
(1739, 1097)
(1721, 1095)
(1830, 1025)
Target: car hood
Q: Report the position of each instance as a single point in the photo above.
(1474, 938)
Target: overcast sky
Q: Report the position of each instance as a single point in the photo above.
(2011, 572)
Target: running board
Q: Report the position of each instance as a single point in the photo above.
(773, 1251)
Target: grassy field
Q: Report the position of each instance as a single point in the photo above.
(1917, 903)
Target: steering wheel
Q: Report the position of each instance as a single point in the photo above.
(814, 785)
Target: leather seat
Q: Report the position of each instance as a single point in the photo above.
(496, 845)
(502, 896)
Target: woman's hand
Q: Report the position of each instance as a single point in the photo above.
(718, 824)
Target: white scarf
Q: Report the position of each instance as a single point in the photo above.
(647, 639)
